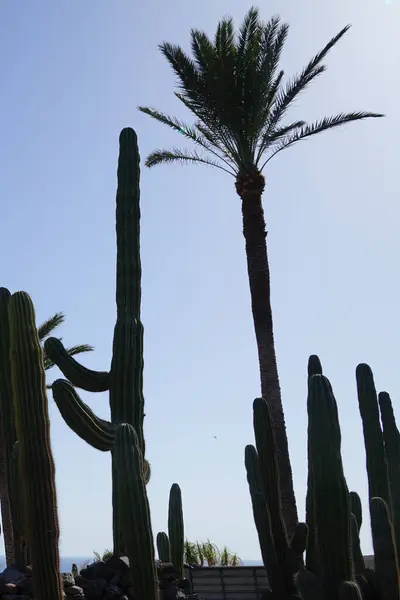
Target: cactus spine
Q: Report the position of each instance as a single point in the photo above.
(163, 547)
(175, 528)
(125, 379)
(131, 493)
(36, 459)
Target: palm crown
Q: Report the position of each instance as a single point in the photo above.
(235, 89)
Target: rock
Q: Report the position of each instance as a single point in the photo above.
(10, 588)
(68, 579)
(185, 586)
(96, 570)
(26, 586)
(115, 566)
(124, 597)
(113, 592)
(93, 590)
(74, 590)
(11, 574)
(125, 580)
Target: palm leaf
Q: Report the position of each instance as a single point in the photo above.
(50, 325)
(320, 126)
(183, 156)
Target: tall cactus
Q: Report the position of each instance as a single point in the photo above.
(36, 459)
(10, 516)
(131, 494)
(124, 381)
(331, 496)
(176, 529)
(386, 563)
(377, 470)
(391, 437)
(282, 557)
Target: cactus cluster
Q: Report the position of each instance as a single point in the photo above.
(334, 565)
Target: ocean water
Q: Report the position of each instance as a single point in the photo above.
(80, 561)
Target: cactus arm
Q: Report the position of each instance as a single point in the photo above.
(77, 374)
(378, 481)
(134, 508)
(36, 459)
(81, 419)
(349, 591)
(386, 563)
(175, 528)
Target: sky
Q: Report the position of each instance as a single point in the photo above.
(72, 74)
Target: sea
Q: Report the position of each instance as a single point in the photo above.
(66, 562)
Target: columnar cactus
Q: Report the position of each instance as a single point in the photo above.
(331, 496)
(9, 436)
(35, 457)
(377, 470)
(175, 528)
(282, 558)
(163, 547)
(137, 536)
(124, 381)
(391, 438)
(386, 562)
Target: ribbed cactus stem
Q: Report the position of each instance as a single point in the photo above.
(356, 508)
(131, 494)
(391, 438)
(163, 547)
(8, 428)
(276, 577)
(377, 470)
(349, 591)
(36, 459)
(176, 528)
(358, 559)
(386, 562)
(331, 496)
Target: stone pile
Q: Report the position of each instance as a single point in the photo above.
(101, 580)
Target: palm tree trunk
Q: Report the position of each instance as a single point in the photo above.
(259, 279)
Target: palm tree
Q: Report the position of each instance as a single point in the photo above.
(44, 331)
(234, 87)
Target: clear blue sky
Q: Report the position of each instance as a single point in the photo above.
(72, 74)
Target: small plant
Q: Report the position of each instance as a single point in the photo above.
(191, 553)
(102, 557)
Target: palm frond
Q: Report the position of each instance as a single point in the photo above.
(186, 130)
(183, 156)
(320, 126)
(299, 83)
(225, 39)
(50, 325)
